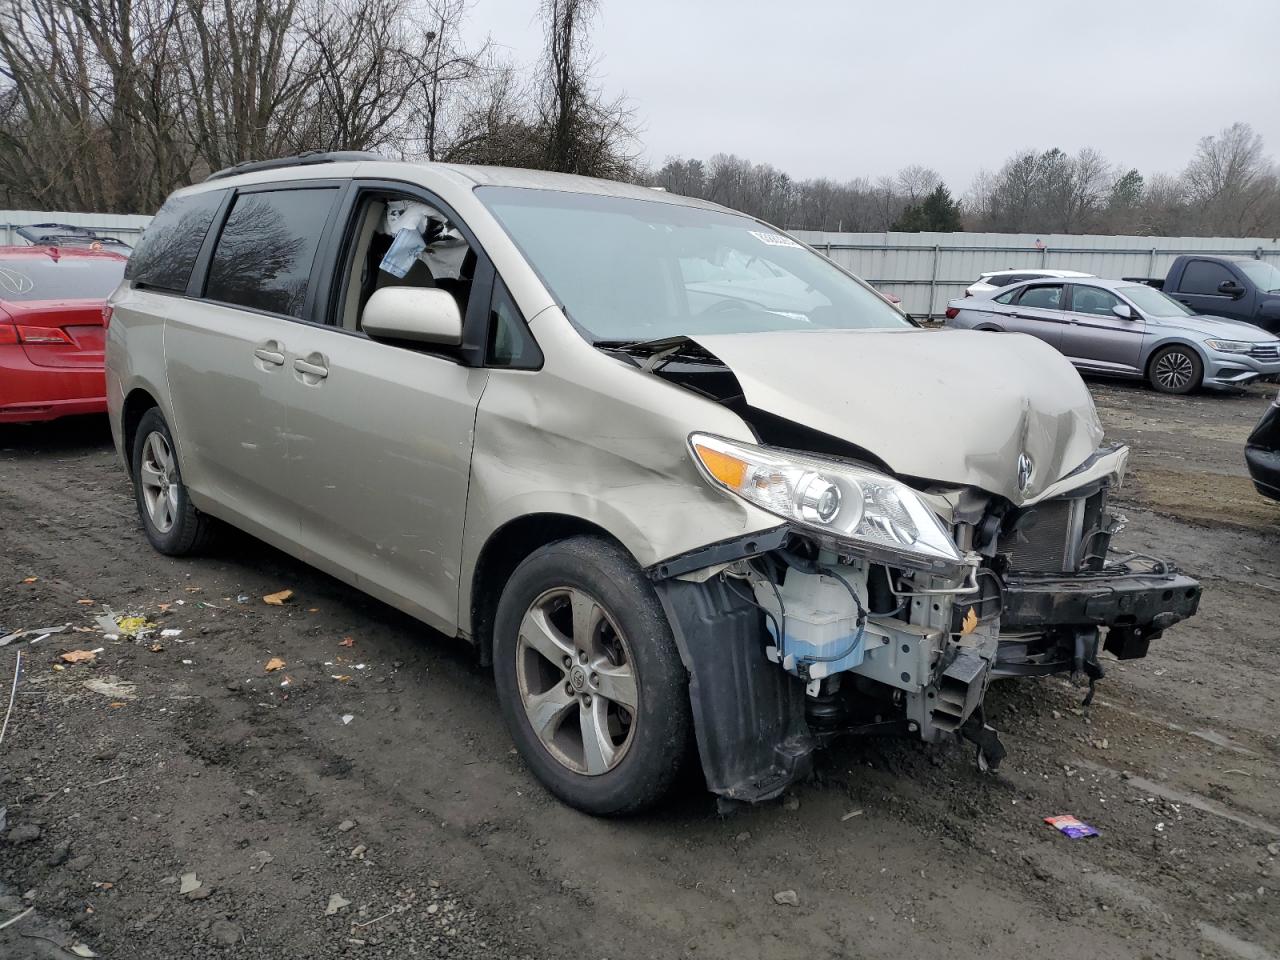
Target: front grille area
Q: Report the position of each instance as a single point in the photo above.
(1266, 351)
(1057, 536)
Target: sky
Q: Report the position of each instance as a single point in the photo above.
(847, 88)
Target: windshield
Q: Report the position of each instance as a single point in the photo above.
(1265, 276)
(1154, 303)
(67, 278)
(626, 269)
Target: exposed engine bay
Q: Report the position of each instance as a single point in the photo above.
(793, 638)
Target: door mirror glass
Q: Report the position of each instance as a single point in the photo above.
(416, 314)
(1231, 288)
(1123, 311)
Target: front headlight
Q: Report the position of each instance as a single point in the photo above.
(1230, 346)
(841, 500)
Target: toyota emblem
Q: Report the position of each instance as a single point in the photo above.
(1026, 471)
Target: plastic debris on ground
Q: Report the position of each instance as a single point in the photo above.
(1074, 829)
(38, 632)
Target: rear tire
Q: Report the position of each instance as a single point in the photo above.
(1176, 369)
(589, 678)
(172, 523)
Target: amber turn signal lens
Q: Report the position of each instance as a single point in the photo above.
(728, 470)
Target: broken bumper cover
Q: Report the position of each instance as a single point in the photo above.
(1135, 606)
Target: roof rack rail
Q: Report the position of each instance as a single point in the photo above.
(299, 160)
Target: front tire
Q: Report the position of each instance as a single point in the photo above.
(172, 523)
(1176, 369)
(589, 679)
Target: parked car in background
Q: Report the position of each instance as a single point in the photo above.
(1238, 288)
(1262, 452)
(51, 330)
(1126, 329)
(994, 280)
(678, 477)
(67, 235)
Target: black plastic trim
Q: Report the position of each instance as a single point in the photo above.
(1101, 600)
(748, 713)
(725, 551)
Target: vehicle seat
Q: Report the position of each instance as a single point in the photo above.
(460, 286)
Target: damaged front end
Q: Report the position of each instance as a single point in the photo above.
(882, 606)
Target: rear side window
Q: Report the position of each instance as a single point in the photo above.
(264, 255)
(1045, 298)
(1006, 297)
(1203, 276)
(169, 246)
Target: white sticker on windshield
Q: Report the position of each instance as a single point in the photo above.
(773, 239)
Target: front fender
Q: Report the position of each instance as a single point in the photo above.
(593, 438)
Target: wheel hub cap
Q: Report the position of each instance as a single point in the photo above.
(576, 680)
(158, 482)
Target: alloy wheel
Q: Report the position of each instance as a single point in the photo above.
(157, 475)
(577, 681)
(1174, 370)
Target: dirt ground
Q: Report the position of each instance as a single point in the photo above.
(397, 789)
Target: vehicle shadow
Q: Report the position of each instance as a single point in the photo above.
(1122, 385)
(81, 434)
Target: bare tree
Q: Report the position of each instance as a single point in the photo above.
(584, 133)
(1226, 181)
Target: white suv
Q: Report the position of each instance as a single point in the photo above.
(993, 280)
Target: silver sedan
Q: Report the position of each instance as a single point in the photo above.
(1126, 329)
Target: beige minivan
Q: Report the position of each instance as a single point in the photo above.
(686, 484)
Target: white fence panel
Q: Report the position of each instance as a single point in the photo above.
(928, 269)
(123, 226)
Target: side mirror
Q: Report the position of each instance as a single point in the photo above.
(416, 314)
(1123, 311)
(1231, 289)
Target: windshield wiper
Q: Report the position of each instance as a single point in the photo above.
(658, 351)
(655, 345)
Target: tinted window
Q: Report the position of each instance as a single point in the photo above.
(264, 254)
(1006, 297)
(510, 343)
(66, 278)
(1046, 297)
(1093, 300)
(167, 251)
(1203, 276)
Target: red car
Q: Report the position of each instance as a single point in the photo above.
(52, 330)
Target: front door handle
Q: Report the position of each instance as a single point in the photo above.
(270, 352)
(310, 368)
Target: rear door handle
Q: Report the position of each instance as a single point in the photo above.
(270, 352)
(310, 369)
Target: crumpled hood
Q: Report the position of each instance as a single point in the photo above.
(955, 406)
